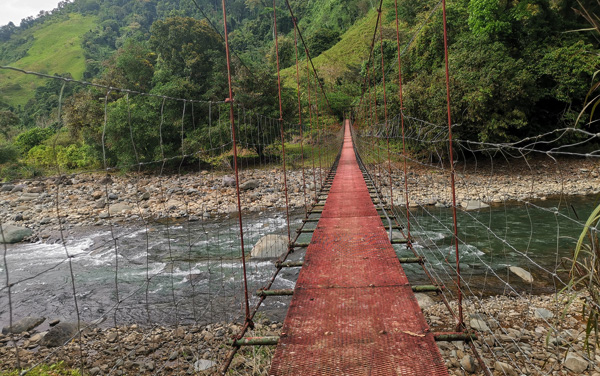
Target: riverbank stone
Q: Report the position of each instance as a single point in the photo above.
(228, 181)
(424, 300)
(473, 205)
(118, 208)
(59, 334)
(270, 246)
(24, 325)
(14, 234)
(250, 184)
(576, 363)
(203, 365)
(543, 313)
(469, 364)
(521, 273)
(505, 368)
(479, 325)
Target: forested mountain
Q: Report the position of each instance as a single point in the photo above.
(518, 68)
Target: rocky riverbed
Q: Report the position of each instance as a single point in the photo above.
(84, 200)
(494, 183)
(88, 200)
(516, 338)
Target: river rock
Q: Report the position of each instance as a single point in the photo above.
(250, 184)
(14, 234)
(38, 189)
(24, 325)
(424, 300)
(18, 188)
(576, 363)
(59, 334)
(479, 325)
(106, 180)
(543, 313)
(228, 181)
(97, 195)
(25, 197)
(118, 208)
(37, 337)
(270, 246)
(203, 365)
(474, 205)
(505, 369)
(7, 188)
(521, 273)
(469, 364)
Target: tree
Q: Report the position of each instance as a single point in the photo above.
(322, 40)
(131, 67)
(8, 120)
(189, 49)
(486, 18)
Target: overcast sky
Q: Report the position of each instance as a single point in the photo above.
(16, 10)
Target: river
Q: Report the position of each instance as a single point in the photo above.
(182, 272)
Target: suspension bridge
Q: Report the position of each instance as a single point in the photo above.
(353, 310)
(358, 219)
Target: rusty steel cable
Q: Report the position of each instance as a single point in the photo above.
(460, 324)
(310, 111)
(401, 97)
(300, 120)
(308, 55)
(318, 136)
(235, 162)
(285, 186)
(387, 138)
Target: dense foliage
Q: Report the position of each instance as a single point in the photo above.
(517, 70)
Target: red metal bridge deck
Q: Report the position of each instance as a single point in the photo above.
(353, 311)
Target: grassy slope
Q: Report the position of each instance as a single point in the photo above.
(56, 49)
(351, 50)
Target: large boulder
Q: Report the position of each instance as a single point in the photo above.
(14, 234)
(118, 208)
(424, 300)
(521, 273)
(59, 334)
(23, 325)
(474, 205)
(250, 184)
(228, 181)
(270, 246)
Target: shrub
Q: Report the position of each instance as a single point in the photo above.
(32, 138)
(8, 153)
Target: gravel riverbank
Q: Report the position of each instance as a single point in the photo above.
(95, 200)
(516, 338)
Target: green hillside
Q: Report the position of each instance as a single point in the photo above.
(348, 53)
(56, 49)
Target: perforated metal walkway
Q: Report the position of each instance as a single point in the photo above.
(353, 311)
